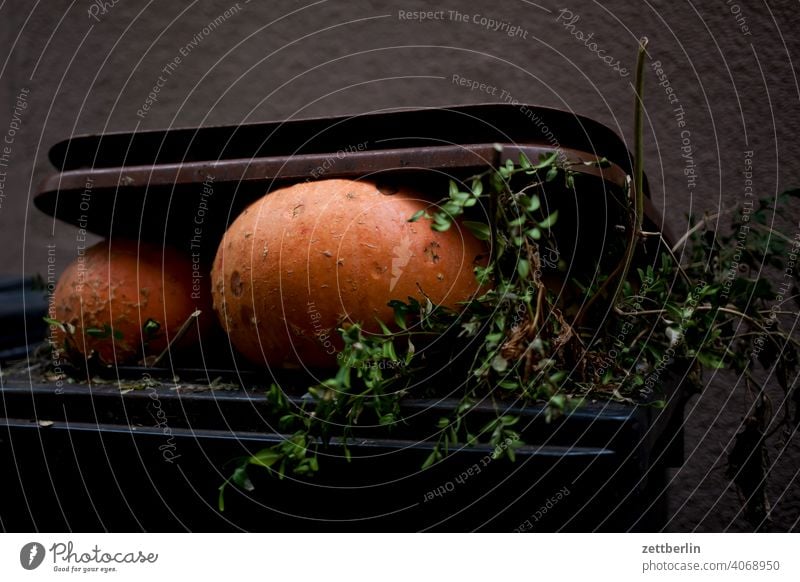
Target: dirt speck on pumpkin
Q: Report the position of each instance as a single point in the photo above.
(379, 271)
(236, 284)
(432, 252)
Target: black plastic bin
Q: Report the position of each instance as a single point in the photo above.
(81, 457)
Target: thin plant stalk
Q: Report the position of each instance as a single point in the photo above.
(638, 168)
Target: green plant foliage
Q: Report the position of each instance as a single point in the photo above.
(524, 349)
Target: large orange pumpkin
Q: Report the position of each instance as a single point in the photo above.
(304, 260)
(128, 299)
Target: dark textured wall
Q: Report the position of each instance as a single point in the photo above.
(729, 64)
(271, 60)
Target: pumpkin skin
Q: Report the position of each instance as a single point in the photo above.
(304, 260)
(122, 288)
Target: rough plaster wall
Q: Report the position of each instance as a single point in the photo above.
(278, 58)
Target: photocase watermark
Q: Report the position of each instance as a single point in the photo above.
(331, 160)
(536, 119)
(568, 20)
(687, 152)
(195, 243)
(382, 364)
(550, 256)
(620, 340)
(31, 555)
(100, 8)
(84, 205)
(664, 82)
(57, 356)
(686, 148)
(487, 22)
(506, 97)
(676, 336)
(401, 256)
(6, 148)
(172, 66)
(321, 334)
(169, 448)
(421, 15)
(739, 17)
(464, 476)
(783, 294)
(67, 559)
(744, 225)
(474, 85)
(510, 30)
(547, 506)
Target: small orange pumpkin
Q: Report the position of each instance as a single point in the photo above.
(306, 259)
(127, 299)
